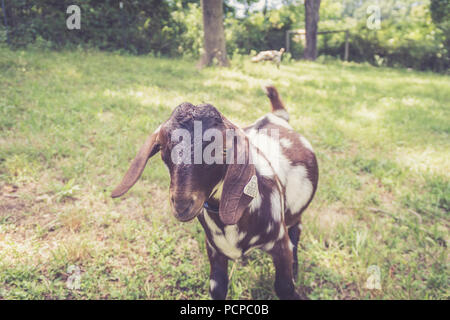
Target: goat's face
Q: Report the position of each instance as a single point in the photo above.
(191, 178)
(195, 168)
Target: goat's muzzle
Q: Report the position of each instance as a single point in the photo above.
(186, 209)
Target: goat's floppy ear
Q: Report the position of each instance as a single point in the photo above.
(240, 184)
(149, 149)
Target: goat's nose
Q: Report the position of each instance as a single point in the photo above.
(182, 206)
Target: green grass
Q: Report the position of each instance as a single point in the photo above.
(70, 122)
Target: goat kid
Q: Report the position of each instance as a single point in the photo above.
(269, 55)
(254, 203)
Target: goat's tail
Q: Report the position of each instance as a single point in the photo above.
(277, 105)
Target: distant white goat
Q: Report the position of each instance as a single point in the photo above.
(269, 55)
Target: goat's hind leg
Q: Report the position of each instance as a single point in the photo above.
(218, 277)
(283, 261)
(294, 235)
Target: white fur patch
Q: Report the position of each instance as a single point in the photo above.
(306, 143)
(253, 240)
(212, 226)
(278, 121)
(271, 148)
(261, 164)
(291, 246)
(255, 204)
(217, 191)
(226, 241)
(251, 244)
(241, 236)
(212, 285)
(298, 188)
(282, 233)
(268, 246)
(275, 201)
(282, 114)
(213, 250)
(285, 142)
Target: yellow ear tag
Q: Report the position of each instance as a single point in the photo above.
(251, 189)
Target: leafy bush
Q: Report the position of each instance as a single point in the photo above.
(262, 32)
(408, 40)
(140, 27)
(190, 29)
(413, 34)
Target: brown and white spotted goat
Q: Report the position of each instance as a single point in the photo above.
(241, 205)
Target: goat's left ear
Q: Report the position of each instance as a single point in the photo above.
(240, 185)
(148, 150)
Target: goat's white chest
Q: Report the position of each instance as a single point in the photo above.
(227, 241)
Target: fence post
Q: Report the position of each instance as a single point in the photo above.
(5, 20)
(124, 38)
(287, 41)
(346, 45)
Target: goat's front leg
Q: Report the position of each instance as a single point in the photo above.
(218, 277)
(283, 259)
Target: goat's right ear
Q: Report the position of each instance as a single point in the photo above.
(149, 149)
(240, 184)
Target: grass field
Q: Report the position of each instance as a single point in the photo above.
(70, 122)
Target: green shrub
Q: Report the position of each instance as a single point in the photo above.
(412, 35)
(140, 27)
(410, 40)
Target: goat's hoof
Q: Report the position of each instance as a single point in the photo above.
(298, 295)
(292, 296)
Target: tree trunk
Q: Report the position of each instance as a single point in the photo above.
(265, 7)
(214, 36)
(311, 21)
